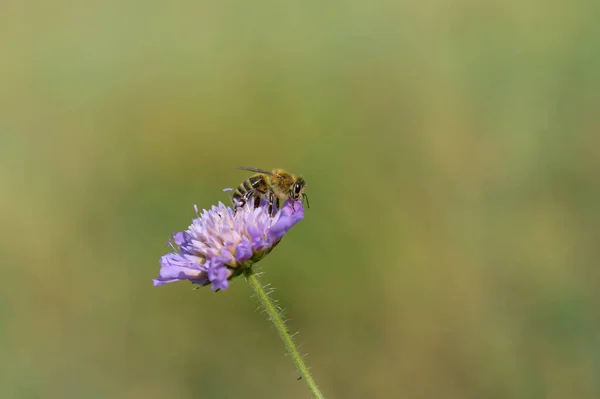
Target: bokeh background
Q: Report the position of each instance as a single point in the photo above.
(451, 151)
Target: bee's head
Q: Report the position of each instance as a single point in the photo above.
(297, 190)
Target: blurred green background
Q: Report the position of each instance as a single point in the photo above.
(451, 151)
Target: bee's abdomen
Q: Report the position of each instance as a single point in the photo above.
(255, 184)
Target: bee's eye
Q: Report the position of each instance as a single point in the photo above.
(297, 187)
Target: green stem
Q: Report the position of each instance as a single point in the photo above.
(275, 317)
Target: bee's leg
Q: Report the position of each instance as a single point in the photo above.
(256, 201)
(238, 202)
(241, 201)
(305, 197)
(277, 204)
(270, 197)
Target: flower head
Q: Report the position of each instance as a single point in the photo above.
(221, 242)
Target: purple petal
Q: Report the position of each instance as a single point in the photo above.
(255, 233)
(182, 260)
(218, 275)
(287, 219)
(163, 282)
(179, 238)
(243, 251)
(219, 285)
(201, 279)
(176, 267)
(226, 257)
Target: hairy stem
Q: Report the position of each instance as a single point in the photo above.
(275, 317)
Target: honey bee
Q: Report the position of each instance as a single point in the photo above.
(275, 185)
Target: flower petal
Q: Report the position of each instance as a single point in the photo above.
(243, 251)
(176, 267)
(288, 217)
(218, 274)
(179, 238)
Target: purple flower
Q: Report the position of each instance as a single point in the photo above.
(220, 243)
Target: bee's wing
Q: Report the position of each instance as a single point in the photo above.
(257, 170)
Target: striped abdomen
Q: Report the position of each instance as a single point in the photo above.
(256, 186)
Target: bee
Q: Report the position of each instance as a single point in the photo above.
(275, 185)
